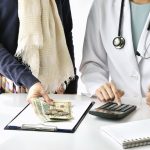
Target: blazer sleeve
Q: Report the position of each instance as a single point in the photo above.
(15, 70)
(68, 25)
(93, 68)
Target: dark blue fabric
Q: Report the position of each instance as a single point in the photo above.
(9, 26)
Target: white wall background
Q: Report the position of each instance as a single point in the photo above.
(80, 10)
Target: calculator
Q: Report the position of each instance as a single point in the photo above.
(112, 110)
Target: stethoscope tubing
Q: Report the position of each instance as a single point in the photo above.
(120, 19)
(119, 41)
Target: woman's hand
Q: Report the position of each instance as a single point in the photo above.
(60, 90)
(36, 91)
(109, 92)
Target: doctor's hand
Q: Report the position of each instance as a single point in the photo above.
(148, 97)
(37, 91)
(109, 92)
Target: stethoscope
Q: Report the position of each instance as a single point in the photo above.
(119, 41)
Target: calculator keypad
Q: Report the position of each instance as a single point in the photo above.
(115, 107)
(112, 110)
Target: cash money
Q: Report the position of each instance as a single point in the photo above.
(58, 111)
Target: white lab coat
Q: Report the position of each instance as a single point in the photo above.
(101, 60)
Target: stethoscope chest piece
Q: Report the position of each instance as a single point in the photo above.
(119, 42)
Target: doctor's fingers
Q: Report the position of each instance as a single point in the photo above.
(109, 90)
(116, 92)
(104, 93)
(99, 95)
(148, 98)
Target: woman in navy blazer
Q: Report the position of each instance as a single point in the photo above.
(10, 66)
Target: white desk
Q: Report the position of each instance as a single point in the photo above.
(88, 136)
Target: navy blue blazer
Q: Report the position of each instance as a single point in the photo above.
(10, 66)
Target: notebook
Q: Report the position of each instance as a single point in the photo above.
(131, 134)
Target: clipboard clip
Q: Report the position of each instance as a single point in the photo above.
(39, 127)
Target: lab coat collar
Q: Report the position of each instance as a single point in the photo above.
(127, 34)
(126, 4)
(144, 40)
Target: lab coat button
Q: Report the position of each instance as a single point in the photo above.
(135, 77)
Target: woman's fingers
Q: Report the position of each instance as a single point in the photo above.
(47, 99)
(37, 91)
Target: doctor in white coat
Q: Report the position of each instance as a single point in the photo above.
(113, 50)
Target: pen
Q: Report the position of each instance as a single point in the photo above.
(40, 127)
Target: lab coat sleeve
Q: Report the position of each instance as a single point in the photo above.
(93, 68)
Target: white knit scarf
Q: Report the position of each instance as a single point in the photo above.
(42, 44)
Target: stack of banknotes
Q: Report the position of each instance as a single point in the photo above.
(58, 111)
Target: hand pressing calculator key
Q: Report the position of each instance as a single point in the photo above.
(112, 110)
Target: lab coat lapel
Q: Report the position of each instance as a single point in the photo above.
(127, 34)
(144, 40)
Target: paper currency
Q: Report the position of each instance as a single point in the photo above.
(60, 110)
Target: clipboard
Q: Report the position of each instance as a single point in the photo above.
(27, 120)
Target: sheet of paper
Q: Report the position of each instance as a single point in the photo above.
(28, 116)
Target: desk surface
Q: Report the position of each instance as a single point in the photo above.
(88, 136)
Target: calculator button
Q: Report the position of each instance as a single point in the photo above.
(127, 108)
(115, 107)
(121, 107)
(105, 105)
(111, 106)
(117, 113)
